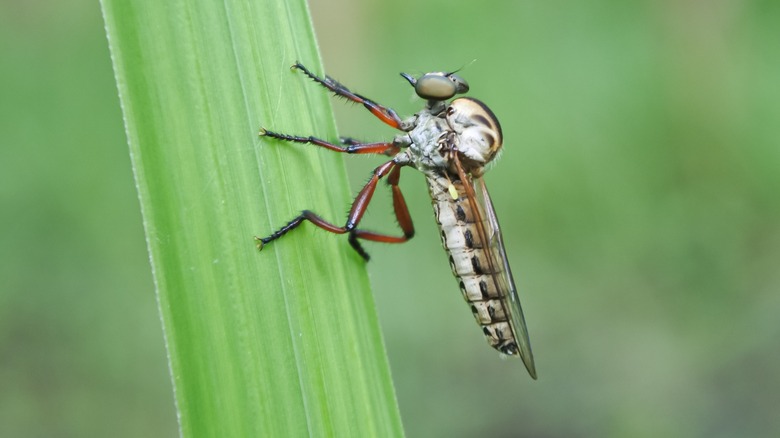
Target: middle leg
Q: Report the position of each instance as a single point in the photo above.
(352, 147)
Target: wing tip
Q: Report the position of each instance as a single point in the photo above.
(529, 365)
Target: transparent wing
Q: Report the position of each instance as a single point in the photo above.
(504, 280)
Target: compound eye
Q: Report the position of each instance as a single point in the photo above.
(461, 86)
(436, 86)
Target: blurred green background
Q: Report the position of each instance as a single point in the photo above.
(638, 192)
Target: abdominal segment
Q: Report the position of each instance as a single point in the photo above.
(472, 262)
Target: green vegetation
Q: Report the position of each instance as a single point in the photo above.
(259, 344)
(638, 193)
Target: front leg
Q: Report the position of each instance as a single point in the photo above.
(387, 115)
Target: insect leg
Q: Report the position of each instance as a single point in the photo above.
(359, 206)
(401, 214)
(387, 115)
(399, 204)
(386, 148)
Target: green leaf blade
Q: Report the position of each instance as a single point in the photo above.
(284, 342)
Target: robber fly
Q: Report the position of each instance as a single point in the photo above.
(451, 143)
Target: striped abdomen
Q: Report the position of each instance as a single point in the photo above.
(473, 261)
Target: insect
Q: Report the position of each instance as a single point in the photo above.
(450, 142)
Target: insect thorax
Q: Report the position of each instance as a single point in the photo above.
(466, 127)
(425, 129)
